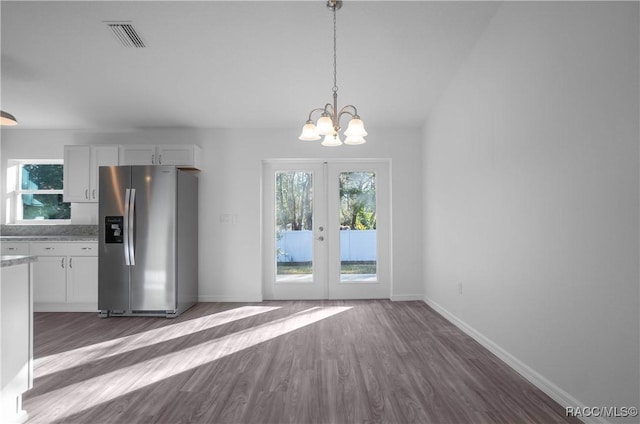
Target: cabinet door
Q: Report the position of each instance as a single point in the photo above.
(50, 279)
(75, 173)
(179, 155)
(100, 156)
(82, 279)
(137, 155)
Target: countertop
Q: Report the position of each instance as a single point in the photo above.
(48, 238)
(10, 260)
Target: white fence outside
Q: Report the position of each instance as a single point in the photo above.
(355, 245)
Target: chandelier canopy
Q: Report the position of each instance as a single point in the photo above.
(329, 122)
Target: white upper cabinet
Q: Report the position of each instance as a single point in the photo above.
(100, 156)
(81, 164)
(80, 172)
(76, 174)
(180, 155)
(137, 154)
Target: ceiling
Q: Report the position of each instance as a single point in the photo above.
(229, 64)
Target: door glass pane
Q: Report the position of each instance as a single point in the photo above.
(294, 225)
(358, 238)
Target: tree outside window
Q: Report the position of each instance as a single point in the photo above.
(38, 191)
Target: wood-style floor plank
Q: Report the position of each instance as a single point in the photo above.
(275, 362)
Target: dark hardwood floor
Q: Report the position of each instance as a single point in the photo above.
(275, 362)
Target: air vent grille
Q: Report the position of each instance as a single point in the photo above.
(126, 34)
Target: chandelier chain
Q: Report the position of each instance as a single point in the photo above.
(335, 57)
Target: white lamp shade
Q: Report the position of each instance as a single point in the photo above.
(325, 125)
(355, 128)
(354, 140)
(309, 133)
(331, 140)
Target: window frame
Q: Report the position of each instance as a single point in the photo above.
(14, 191)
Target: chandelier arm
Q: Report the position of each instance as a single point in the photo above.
(319, 109)
(329, 109)
(346, 111)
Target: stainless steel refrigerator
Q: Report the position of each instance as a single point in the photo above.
(148, 234)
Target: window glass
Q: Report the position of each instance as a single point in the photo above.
(41, 177)
(34, 192)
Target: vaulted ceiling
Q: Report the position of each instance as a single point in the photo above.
(229, 64)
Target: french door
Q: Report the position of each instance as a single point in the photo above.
(326, 229)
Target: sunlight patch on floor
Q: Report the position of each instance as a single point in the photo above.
(104, 388)
(71, 358)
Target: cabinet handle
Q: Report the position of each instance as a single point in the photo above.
(93, 193)
(49, 248)
(160, 159)
(70, 262)
(62, 263)
(86, 248)
(86, 193)
(11, 248)
(153, 159)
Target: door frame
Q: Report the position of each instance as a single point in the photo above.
(329, 277)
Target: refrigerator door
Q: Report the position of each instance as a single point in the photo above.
(113, 274)
(153, 246)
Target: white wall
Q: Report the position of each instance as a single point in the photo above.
(531, 182)
(230, 254)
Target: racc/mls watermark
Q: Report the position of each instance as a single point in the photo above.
(601, 411)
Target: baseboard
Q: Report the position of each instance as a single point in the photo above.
(230, 299)
(535, 378)
(406, 297)
(66, 307)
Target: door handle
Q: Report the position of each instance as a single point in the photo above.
(132, 223)
(125, 227)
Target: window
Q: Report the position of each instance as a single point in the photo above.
(34, 192)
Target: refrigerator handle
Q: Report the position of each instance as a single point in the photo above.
(125, 227)
(132, 222)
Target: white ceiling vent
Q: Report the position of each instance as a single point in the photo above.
(126, 34)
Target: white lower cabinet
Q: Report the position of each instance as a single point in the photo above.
(49, 280)
(82, 280)
(65, 276)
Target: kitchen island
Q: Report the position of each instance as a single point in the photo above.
(16, 337)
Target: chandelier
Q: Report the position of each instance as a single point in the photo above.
(329, 122)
